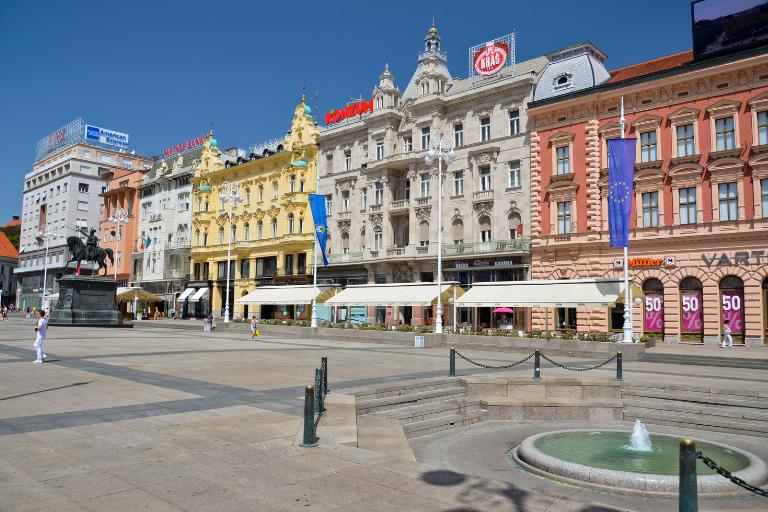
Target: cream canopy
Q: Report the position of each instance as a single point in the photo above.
(394, 294)
(554, 293)
(128, 294)
(286, 295)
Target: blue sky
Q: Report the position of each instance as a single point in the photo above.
(163, 70)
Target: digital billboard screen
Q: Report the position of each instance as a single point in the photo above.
(721, 26)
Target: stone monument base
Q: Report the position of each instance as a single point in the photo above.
(87, 301)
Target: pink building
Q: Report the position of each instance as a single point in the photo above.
(121, 193)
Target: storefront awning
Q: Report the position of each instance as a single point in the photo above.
(286, 295)
(556, 293)
(128, 294)
(394, 294)
(198, 295)
(186, 293)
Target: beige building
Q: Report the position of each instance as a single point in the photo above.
(381, 196)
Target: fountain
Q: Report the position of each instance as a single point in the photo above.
(648, 465)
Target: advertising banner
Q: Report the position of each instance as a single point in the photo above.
(692, 311)
(654, 312)
(489, 58)
(733, 309)
(105, 136)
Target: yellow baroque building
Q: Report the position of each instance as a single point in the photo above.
(270, 237)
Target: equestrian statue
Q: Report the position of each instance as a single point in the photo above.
(89, 251)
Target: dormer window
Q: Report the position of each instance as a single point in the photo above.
(563, 81)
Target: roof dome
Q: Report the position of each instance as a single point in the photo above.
(213, 142)
(299, 163)
(307, 109)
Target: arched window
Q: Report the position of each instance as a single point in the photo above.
(293, 183)
(261, 193)
(247, 196)
(221, 235)
(732, 306)
(458, 231)
(197, 237)
(691, 311)
(290, 223)
(275, 190)
(301, 225)
(345, 243)
(423, 233)
(274, 228)
(233, 234)
(246, 231)
(515, 225)
(362, 239)
(205, 238)
(484, 225)
(259, 230)
(378, 239)
(653, 322)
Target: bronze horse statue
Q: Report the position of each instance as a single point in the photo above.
(78, 251)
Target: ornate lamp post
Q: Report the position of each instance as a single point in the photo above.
(45, 236)
(229, 194)
(442, 150)
(118, 217)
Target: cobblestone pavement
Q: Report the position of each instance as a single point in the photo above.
(166, 419)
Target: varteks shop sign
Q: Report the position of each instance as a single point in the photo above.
(356, 109)
(489, 58)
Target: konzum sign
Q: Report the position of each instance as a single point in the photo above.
(491, 58)
(356, 109)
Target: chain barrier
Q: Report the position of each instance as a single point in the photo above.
(727, 474)
(481, 365)
(579, 369)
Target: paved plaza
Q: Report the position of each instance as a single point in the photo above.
(172, 419)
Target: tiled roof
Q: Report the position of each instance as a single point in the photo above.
(651, 66)
(6, 247)
(14, 222)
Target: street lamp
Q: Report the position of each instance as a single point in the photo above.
(45, 236)
(229, 194)
(442, 150)
(119, 216)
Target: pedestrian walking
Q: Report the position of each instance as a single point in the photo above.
(255, 332)
(41, 330)
(209, 322)
(727, 334)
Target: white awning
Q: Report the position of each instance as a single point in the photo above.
(555, 293)
(198, 295)
(186, 293)
(128, 294)
(394, 294)
(286, 295)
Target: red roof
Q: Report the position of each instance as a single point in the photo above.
(6, 247)
(14, 222)
(651, 66)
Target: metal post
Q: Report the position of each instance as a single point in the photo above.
(310, 439)
(313, 315)
(229, 262)
(44, 302)
(619, 368)
(627, 301)
(319, 402)
(452, 367)
(688, 493)
(537, 366)
(439, 321)
(455, 309)
(324, 367)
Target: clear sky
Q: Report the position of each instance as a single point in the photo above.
(162, 71)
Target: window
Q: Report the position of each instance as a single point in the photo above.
(458, 183)
(685, 140)
(425, 137)
(458, 135)
(246, 231)
(458, 232)
(515, 225)
(301, 224)
(205, 238)
(514, 122)
(363, 198)
(197, 237)
(648, 147)
(275, 190)
(729, 201)
(292, 183)
(424, 185)
(378, 239)
(379, 150)
(650, 209)
(563, 159)
(378, 193)
(221, 235)
(206, 205)
(82, 187)
(274, 228)
(345, 201)
(725, 136)
(762, 127)
(562, 82)
(261, 193)
(245, 268)
(514, 174)
(485, 228)
(564, 217)
(407, 144)
(107, 159)
(485, 178)
(233, 233)
(764, 196)
(423, 234)
(259, 230)
(347, 160)
(290, 223)
(82, 206)
(328, 203)
(485, 128)
(345, 243)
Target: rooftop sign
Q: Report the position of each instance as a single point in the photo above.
(356, 109)
(104, 136)
(185, 146)
(68, 134)
(491, 57)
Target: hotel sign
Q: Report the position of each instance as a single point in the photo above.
(185, 146)
(356, 109)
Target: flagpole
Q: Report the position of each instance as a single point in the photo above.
(313, 321)
(627, 295)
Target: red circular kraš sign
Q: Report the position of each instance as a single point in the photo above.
(490, 59)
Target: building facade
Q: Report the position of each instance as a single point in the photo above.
(700, 211)
(62, 195)
(122, 193)
(9, 260)
(270, 236)
(381, 196)
(162, 246)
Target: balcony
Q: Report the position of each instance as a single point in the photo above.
(347, 215)
(350, 257)
(423, 201)
(422, 250)
(396, 251)
(399, 206)
(482, 195)
(494, 246)
(155, 217)
(374, 208)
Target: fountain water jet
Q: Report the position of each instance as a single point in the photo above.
(640, 440)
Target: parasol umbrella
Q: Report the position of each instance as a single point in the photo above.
(503, 310)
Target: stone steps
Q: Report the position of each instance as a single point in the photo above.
(729, 362)
(440, 423)
(403, 388)
(416, 413)
(409, 399)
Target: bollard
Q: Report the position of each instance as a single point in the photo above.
(537, 365)
(688, 493)
(319, 405)
(310, 440)
(324, 367)
(452, 367)
(619, 367)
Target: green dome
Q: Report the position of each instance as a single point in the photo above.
(299, 163)
(307, 109)
(213, 142)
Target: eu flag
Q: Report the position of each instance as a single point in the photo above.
(317, 205)
(621, 185)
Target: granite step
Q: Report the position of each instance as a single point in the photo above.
(404, 400)
(730, 362)
(670, 405)
(698, 421)
(403, 388)
(441, 423)
(415, 413)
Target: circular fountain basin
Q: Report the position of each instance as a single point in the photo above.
(602, 459)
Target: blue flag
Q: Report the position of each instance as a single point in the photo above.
(621, 185)
(317, 204)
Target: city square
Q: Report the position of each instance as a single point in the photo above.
(443, 258)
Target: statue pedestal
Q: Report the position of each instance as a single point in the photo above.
(87, 301)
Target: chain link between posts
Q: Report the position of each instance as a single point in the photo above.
(481, 365)
(600, 365)
(727, 474)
